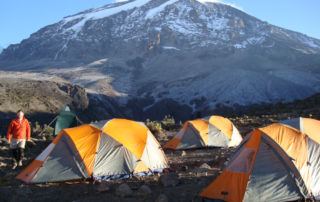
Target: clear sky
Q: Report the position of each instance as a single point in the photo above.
(20, 18)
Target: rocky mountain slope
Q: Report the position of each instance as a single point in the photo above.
(40, 96)
(178, 57)
(41, 99)
(43, 96)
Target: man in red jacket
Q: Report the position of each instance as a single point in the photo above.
(18, 133)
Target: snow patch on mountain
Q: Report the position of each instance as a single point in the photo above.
(252, 41)
(170, 48)
(215, 23)
(309, 42)
(239, 46)
(184, 27)
(221, 2)
(256, 40)
(211, 1)
(102, 13)
(152, 12)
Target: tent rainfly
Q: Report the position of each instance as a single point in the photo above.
(308, 126)
(215, 131)
(260, 170)
(117, 148)
(303, 149)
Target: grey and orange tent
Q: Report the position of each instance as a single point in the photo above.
(214, 131)
(309, 126)
(258, 171)
(118, 148)
(303, 149)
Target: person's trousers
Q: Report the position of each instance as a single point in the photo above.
(17, 147)
(18, 154)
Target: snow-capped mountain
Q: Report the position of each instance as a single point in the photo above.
(157, 57)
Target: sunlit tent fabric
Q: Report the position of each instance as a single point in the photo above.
(213, 131)
(309, 126)
(65, 119)
(302, 149)
(118, 148)
(258, 171)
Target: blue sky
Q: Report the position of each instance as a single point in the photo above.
(20, 18)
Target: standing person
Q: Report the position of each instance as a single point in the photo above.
(18, 133)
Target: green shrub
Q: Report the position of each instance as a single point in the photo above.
(37, 128)
(154, 126)
(48, 130)
(168, 123)
(42, 131)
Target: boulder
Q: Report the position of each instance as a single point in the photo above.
(102, 187)
(124, 190)
(205, 166)
(169, 180)
(145, 190)
(162, 198)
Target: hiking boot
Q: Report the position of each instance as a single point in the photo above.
(20, 163)
(14, 166)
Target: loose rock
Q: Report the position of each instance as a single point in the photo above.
(145, 190)
(205, 166)
(169, 180)
(124, 190)
(162, 198)
(103, 187)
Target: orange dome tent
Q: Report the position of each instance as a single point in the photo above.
(260, 170)
(111, 149)
(309, 126)
(303, 149)
(214, 131)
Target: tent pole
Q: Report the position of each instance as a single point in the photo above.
(48, 125)
(79, 120)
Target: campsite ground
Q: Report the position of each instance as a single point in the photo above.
(192, 170)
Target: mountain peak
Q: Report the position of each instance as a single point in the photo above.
(154, 6)
(195, 53)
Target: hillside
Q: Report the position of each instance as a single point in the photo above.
(160, 57)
